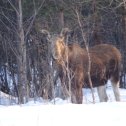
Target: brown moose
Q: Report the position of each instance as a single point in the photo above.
(73, 64)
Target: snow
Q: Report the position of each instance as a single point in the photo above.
(64, 113)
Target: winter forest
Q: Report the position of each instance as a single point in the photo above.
(27, 69)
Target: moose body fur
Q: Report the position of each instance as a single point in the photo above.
(105, 64)
(73, 64)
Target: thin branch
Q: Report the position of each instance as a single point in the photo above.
(30, 25)
(34, 16)
(87, 49)
(13, 7)
(9, 22)
(121, 4)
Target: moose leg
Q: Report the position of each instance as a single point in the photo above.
(79, 82)
(73, 96)
(77, 95)
(115, 86)
(64, 88)
(76, 86)
(102, 93)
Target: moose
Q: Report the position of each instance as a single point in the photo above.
(73, 64)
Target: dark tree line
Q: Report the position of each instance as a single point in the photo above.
(25, 53)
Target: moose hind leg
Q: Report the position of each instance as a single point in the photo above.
(115, 86)
(102, 93)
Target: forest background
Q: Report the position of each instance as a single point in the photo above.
(25, 54)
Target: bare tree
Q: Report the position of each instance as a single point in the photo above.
(22, 73)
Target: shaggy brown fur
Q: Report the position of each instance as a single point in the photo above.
(110, 58)
(105, 64)
(73, 62)
(111, 66)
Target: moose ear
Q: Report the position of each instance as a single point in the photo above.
(62, 38)
(46, 32)
(64, 32)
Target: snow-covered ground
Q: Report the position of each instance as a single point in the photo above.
(63, 113)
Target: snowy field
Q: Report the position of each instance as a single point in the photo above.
(63, 113)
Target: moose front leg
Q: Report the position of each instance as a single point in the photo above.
(77, 95)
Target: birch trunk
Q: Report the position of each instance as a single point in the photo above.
(22, 74)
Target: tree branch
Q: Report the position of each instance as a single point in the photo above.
(87, 49)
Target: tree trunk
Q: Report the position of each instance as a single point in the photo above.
(61, 15)
(122, 83)
(124, 23)
(96, 37)
(61, 19)
(22, 74)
